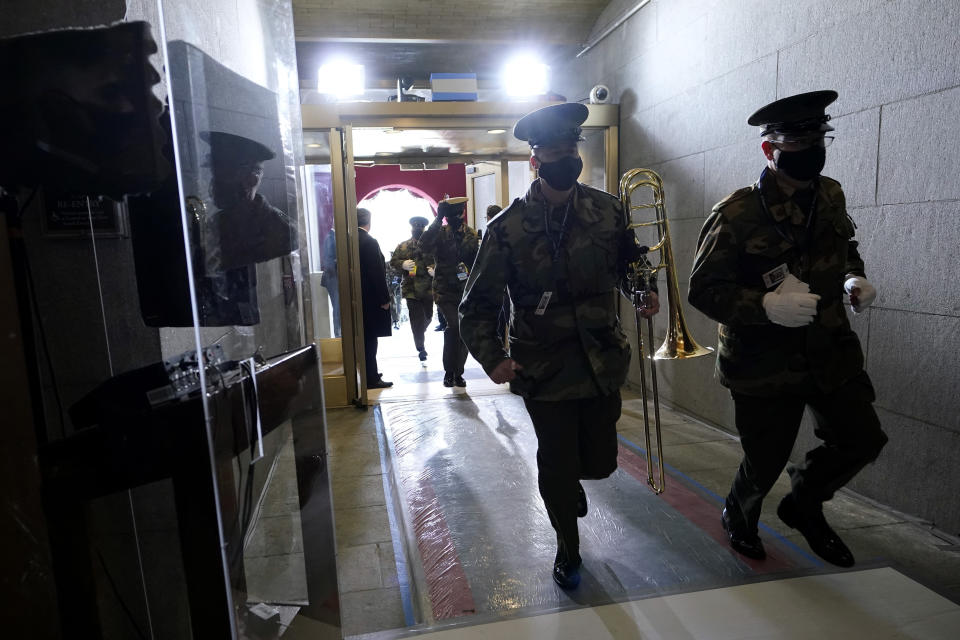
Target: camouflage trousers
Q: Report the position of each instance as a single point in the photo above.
(844, 420)
(576, 440)
(421, 313)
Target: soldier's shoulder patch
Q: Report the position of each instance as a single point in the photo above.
(736, 196)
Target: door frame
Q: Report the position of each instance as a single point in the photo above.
(340, 118)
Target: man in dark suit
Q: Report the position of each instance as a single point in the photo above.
(376, 299)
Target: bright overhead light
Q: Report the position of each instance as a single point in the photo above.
(497, 131)
(525, 75)
(314, 145)
(341, 78)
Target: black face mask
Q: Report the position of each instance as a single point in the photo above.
(802, 165)
(417, 232)
(563, 173)
(455, 221)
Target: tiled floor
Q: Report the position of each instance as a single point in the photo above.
(372, 594)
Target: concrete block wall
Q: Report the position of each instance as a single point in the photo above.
(687, 73)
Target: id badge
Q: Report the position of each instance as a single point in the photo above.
(544, 301)
(462, 272)
(775, 276)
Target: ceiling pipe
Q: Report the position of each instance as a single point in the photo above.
(613, 27)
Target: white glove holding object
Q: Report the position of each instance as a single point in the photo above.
(790, 309)
(861, 292)
(430, 271)
(408, 265)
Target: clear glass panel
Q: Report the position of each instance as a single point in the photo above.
(593, 152)
(484, 194)
(324, 275)
(239, 156)
(520, 178)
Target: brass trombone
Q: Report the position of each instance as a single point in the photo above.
(678, 343)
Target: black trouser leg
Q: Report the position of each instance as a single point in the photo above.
(852, 438)
(768, 428)
(454, 350)
(421, 312)
(576, 439)
(370, 355)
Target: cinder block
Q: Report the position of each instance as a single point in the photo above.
(729, 168)
(915, 472)
(683, 186)
(679, 126)
(910, 169)
(742, 31)
(727, 102)
(899, 50)
(852, 159)
(913, 365)
(638, 144)
(671, 67)
(910, 255)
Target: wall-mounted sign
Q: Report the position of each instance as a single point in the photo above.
(72, 215)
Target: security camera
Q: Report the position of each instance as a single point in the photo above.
(600, 94)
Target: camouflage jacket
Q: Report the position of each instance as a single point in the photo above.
(575, 348)
(419, 285)
(449, 248)
(739, 244)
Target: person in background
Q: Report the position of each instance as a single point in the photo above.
(375, 297)
(454, 246)
(329, 278)
(417, 286)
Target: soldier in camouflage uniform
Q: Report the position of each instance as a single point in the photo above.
(454, 246)
(417, 285)
(773, 265)
(560, 251)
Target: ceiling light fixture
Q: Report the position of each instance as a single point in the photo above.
(497, 131)
(525, 75)
(341, 78)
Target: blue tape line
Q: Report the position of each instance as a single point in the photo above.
(721, 500)
(399, 551)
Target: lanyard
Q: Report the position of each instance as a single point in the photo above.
(801, 243)
(564, 226)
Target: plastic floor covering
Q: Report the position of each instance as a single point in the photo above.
(473, 537)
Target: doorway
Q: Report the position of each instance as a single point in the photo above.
(343, 141)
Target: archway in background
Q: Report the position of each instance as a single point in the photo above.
(391, 208)
(397, 187)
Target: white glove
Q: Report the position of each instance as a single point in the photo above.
(430, 271)
(861, 292)
(408, 265)
(790, 309)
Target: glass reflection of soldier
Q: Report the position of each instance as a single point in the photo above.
(417, 282)
(243, 229)
(249, 229)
